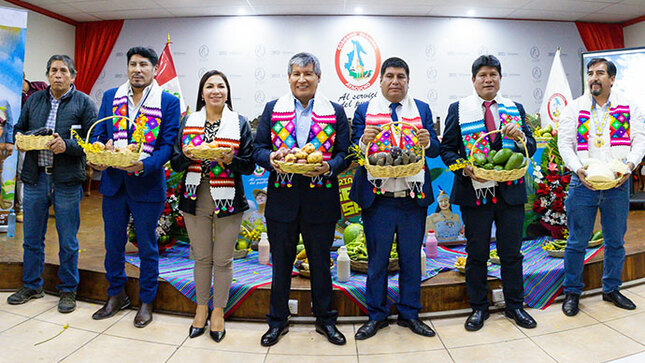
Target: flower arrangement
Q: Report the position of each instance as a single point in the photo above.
(171, 226)
(551, 179)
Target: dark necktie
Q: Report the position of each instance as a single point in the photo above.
(489, 121)
(393, 106)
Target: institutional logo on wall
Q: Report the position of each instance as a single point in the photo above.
(556, 105)
(357, 60)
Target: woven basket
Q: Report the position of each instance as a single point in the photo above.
(296, 168)
(361, 266)
(32, 142)
(595, 243)
(109, 157)
(603, 185)
(500, 175)
(237, 254)
(208, 153)
(556, 253)
(461, 269)
(391, 171)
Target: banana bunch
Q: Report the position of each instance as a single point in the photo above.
(251, 232)
(493, 254)
(357, 250)
(557, 245)
(461, 262)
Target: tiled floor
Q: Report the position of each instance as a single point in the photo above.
(601, 332)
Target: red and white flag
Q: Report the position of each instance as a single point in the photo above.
(167, 76)
(556, 95)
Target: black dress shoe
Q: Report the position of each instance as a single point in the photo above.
(570, 304)
(476, 319)
(217, 336)
(194, 332)
(144, 316)
(417, 327)
(370, 328)
(332, 333)
(114, 304)
(521, 317)
(273, 335)
(619, 300)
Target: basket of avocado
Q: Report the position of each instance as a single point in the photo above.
(499, 165)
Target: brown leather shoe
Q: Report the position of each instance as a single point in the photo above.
(144, 316)
(112, 306)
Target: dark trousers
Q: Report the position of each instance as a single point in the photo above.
(116, 215)
(384, 218)
(317, 238)
(509, 220)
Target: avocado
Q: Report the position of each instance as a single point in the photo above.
(501, 157)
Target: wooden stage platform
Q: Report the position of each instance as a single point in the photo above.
(444, 292)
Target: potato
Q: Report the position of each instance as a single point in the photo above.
(302, 161)
(294, 150)
(389, 160)
(132, 147)
(301, 154)
(315, 157)
(99, 145)
(397, 161)
(309, 148)
(290, 158)
(405, 158)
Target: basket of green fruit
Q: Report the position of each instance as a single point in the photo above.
(357, 251)
(500, 166)
(596, 240)
(555, 248)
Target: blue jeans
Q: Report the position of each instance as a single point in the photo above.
(582, 204)
(66, 198)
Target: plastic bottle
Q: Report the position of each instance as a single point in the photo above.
(423, 263)
(11, 224)
(431, 244)
(343, 273)
(264, 253)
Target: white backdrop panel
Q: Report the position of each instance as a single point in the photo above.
(253, 52)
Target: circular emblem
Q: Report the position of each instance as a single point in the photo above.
(357, 61)
(431, 73)
(432, 95)
(260, 50)
(430, 51)
(538, 94)
(535, 52)
(259, 97)
(201, 72)
(203, 51)
(536, 73)
(555, 106)
(259, 74)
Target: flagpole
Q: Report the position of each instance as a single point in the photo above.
(168, 42)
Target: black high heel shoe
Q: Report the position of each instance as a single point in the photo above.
(217, 336)
(195, 332)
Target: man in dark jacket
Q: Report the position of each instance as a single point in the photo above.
(308, 204)
(54, 176)
(483, 202)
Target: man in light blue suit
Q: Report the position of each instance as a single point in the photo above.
(139, 189)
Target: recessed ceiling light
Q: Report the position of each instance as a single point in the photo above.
(471, 12)
(358, 10)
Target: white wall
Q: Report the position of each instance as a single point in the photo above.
(45, 36)
(634, 35)
(254, 51)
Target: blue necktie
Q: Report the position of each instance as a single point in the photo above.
(393, 106)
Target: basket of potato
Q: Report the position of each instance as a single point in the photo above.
(208, 151)
(299, 161)
(98, 154)
(394, 161)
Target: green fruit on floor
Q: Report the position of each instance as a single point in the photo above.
(351, 232)
(132, 236)
(242, 244)
(514, 162)
(597, 235)
(299, 248)
(502, 156)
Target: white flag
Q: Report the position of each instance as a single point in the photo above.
(556, 95)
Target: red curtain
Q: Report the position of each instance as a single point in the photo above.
(601, 36)
(94, 43)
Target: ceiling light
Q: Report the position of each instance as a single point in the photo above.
(241, 11)
(471, 12)
(358, 10)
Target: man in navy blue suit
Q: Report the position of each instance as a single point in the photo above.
(401, 205)
(309, 204)
(484, 202)
(139, 189)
